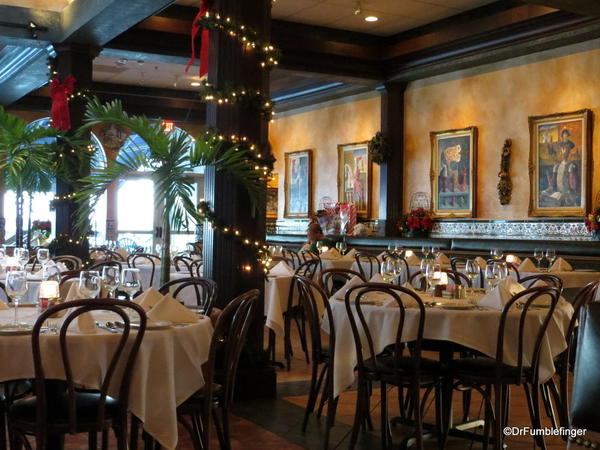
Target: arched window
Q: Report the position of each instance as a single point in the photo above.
(137, 217)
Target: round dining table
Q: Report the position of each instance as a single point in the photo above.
(168, 368)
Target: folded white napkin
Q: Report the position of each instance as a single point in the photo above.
(171, 310)
(331, 253)
(527, 266)
(516, 261)
(481, 262)
(84, 323)
(281, 269)
(341, 293)
(561, 265)
(377, 278)
(148, 299)
(350, 255)
(442, 259)
(413, 260)
(501, 294)
(407, 300)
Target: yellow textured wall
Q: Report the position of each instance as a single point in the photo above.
(498, 99)
(321, 130)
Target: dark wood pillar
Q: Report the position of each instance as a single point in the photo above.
(233, 266)
(76, 60)
(391, 174)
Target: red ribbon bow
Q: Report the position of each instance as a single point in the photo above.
(59, 93)
(204, 41)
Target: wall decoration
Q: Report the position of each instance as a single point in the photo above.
(272, 196)
(354, 177)
(298, 184)
(505, 183)
(379, 148)
(560, 163)
(454, 172)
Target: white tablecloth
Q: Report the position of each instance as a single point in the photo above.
(475, 329)
(276, 299)
(168, 368)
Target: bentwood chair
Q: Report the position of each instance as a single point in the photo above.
(295, 312)
(333, 279)
(182, 263)
(71, 262)
(368, 265)
(48, 414)
(491, 375)
(205, 291)
(548, 279)
(137, 258)
(293, 256)
(458, 278)
(223, 357)
(457, 263)
(309, 255)
(400, 365)
(314, 301)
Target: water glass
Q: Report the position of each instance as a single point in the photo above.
(89, 283)
(43, 256)
(16, 287)
(502, 270)
(388, 270)
(50, 273)
(341, 246)
(2, 255)
(435, 251)
(111, 277)
(492, 275)
(22, 256)
(319, 246)
(496, 253)
(550, 256)
(130, 282)
(426, 250)
(472, 269)
(538, 254)
(429, 271)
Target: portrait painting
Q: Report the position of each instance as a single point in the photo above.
(298, 173)
(453, 172)
(559, 163)
(354, 177)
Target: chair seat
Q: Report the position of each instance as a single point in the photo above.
(389, 368)
(24, 411)
(483, 370)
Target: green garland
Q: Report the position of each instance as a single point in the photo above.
(246, 98)
(379, 148)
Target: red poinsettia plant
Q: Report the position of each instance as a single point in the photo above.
(41, 227)
(592, 221)
(417, 219)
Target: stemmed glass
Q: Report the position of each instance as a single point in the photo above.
(429, 271)
(538, 254)
(89, 283)
(388, 270)
(2, 256)
(43, 256)
(502, 270)
(22, 256)
(341, 246)
(472, 270)
(435, 251)
(492, 275)
(550, 256)
(496, 254)
(130, 282)
(16, 286)
(110, 279)
(319, 247)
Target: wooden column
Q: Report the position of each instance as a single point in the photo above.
(225, 259)
(391, 174)
(76, 60)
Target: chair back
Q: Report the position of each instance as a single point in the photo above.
(196, 268)
(418, 276)
(71, 262)
(100, 265)
(293, 256)
(457, 263)
(368, 265)
(525, 299)
(459, 278)
(136, 258)
(68, 275)
(549, 279)
(331, 278)
(120, 361)
(361, 328)
(205, 290)
(183, 263)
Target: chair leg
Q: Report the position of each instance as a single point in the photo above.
(563, 411)
(315, 380)
(384, 417)
(2, 425)
(549, 408)
(535, 391)
(301, 325)
(325, 387)
(416, 396)
(358, 419)
(439, 425)
(488, 414)
(287, 342)
(92, 440)
(331, 410)
(498, 415)
(105, 439)
(133, 434)
(466, 404)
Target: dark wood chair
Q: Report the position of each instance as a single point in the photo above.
(71, 262)
(458, 278)
(314, 300)
(69, 275)
(136, 258)
(205, 290)
(492, 375)
(51, 414)
(183, 263)
(368, 265)
(293, 256)
(225, 348)
(400, 365)
(549, 279)
(418, 277)
(330, 279)
(457, 263)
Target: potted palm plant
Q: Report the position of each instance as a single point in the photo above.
(169, 158)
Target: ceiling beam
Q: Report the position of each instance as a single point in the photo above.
(581, 7)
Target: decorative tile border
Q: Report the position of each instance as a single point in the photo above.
(507, 229)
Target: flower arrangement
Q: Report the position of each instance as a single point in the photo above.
(592, 222)
(41, 228)
(379, 148)
(416, 220)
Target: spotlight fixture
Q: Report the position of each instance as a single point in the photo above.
(371, 19)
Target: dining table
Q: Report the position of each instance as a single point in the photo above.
(168, 368)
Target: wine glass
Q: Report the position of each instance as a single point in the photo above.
(502, 270)
(110, 279)
(538, 254)
(16, 286)
(429, 271)
(319, 247)
(130, 282)
(43, 256)
(491, 275)
(496, 253)
(89, 283)
(550, 256)
(50, 273)
(426, 250)
(2, 255)
(435, 251)
(388, 270)
(472, 270)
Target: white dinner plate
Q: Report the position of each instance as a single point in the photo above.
(15, 330)
(457, 307)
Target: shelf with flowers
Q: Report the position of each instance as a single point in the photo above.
(592, 223)
(40, 231)
(416, 223)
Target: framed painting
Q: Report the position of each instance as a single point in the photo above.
(354, 177)
(559, 163)
(298, 184)
(454, 172)
(272, 196)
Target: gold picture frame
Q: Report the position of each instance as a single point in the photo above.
(354, 177)
(560, 161)
(454, 173)
(298, 184)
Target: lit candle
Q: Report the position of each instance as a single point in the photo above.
(324, 249)
(49, 290)
(511, 259)
(442, 277)
(11, 262)
(408, 253)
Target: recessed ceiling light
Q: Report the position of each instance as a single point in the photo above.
(195, 83)
(371, 19)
